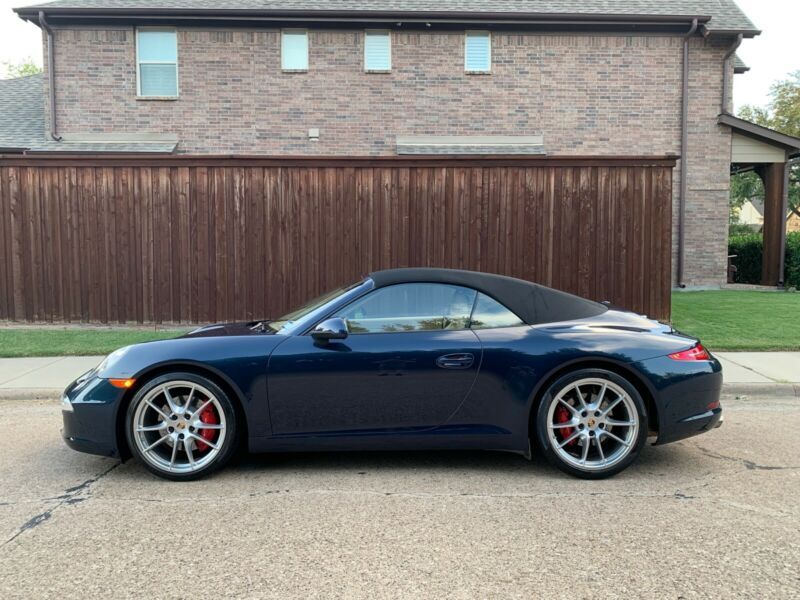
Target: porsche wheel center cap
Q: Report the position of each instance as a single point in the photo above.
(591, 423)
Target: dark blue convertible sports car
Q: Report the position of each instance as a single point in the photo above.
(405, 359)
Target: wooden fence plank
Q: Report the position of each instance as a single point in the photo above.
(199, 242)
(6, 284)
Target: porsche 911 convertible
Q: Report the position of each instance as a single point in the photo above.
(405, 359)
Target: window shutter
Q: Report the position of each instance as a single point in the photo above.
(377, 51)
(478, 51)
(294, 51)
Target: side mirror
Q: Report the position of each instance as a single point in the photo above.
(330, 329)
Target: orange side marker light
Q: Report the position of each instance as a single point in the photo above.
(122, 383)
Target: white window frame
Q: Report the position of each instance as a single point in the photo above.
(388, 33)
(308, 51)
(157, 62)
(466, 39)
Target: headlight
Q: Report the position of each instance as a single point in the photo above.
(66, 405)
(80, 382)
(110, 360)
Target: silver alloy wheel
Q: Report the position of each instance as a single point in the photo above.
(168, 429)
(592, 424)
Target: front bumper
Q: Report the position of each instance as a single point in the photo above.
(89, 413)
(86, 445)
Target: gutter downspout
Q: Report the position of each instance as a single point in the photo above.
(684, 147)
(726, 78)
(51, 76)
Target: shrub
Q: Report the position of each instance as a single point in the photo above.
(749, 250)
(793, 259)
(738, 229)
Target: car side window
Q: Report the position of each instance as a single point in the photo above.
(490, 314)
(411, 307)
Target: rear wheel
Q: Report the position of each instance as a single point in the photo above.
(181, 426)
(591, 423)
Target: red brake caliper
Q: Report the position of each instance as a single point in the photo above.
(209, 415)
(563, 416)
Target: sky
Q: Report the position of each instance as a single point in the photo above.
(770, 56)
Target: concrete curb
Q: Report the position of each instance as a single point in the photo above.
(769, 390)
(29, 394)
(738, 390)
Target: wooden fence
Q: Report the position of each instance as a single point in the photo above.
(196, 240)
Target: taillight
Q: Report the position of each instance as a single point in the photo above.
(695, 353)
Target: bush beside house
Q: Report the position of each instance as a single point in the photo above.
(749, 249)
(793, 259)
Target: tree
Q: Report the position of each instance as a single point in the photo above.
(783, 114)
(785, 105)
(744, 187)
(21, 69)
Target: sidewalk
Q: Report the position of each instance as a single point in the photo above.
(762, 373)
(42, 377)
(771, 373)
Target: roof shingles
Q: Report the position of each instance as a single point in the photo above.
(22, 124)
(21, 112)
(725, 14)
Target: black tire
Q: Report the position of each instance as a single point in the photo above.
(226, 449)
(636, 438)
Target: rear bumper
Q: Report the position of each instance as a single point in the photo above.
(686, 395)
(691, 426)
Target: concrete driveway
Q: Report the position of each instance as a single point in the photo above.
(716, 516)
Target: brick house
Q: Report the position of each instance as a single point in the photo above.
(527, 84)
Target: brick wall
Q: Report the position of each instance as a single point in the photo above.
(709, 159)
(586, 94)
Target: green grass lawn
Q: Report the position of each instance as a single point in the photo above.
(739, 320)
(48, 341)
(723, 320)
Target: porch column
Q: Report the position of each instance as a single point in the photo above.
(774, 224)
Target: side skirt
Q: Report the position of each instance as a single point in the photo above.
(314, 443)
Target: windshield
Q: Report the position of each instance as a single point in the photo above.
(281, 324)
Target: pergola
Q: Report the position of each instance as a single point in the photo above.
(769, 154)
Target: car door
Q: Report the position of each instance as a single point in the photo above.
(408, 363)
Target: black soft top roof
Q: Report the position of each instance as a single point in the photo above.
(533, 303)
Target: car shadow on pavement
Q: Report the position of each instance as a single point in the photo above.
(680, 461)
(658, 461)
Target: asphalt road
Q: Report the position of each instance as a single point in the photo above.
(716, 516)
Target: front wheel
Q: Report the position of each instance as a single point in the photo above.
(181, 426)
(591, 423)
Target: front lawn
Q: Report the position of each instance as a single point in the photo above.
(739, 320)
(74, 341)
(723, 320)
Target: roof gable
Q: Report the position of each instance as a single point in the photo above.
(763, 134)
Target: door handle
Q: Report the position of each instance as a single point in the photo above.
(455, 361)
